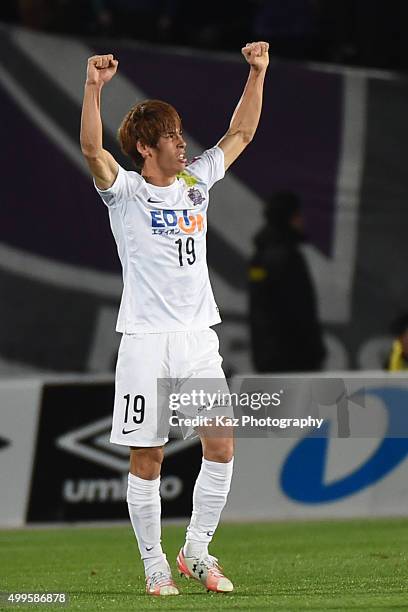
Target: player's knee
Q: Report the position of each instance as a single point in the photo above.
(146, 462)
(220, 451)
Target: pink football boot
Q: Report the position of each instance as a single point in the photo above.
(206, 570)
(161, 583)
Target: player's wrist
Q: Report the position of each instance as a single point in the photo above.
(258, 70)
(93, 84)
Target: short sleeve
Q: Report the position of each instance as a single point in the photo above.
(125, 185)
(208, 167)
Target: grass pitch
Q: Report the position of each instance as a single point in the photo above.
(336, 565)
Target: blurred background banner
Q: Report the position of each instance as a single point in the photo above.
(56, 461)
(337, 137)
(20, 403)
(57, 464)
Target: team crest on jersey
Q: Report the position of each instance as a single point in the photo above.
(195, 196)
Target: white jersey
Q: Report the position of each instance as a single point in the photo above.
(160, 234)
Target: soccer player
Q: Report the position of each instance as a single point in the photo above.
(158, 219)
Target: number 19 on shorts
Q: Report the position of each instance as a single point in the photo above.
(134, 412)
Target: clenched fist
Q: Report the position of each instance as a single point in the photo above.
(101, 68)
(256, 54)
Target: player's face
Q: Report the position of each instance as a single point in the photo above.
(171, 151)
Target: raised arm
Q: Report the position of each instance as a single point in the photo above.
(103, 166)
(246, 115)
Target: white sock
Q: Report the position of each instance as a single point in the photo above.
(209, 497)
(143, 497)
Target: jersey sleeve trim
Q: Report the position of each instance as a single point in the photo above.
(124, 187)
(109, 195)
(220, 152)
(209, 167)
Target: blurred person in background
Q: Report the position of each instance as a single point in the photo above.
(34, 14)
(381, 39)
(289, 25)
(337, 30)
(368, 33)
(148, 20)
(398, 357)
(66, 16)
(286, 335)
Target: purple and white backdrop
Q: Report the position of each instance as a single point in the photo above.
(339, 138)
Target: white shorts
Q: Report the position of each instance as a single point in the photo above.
(149, 361)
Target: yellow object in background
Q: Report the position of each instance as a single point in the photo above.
(257, 274)
(397, 359)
